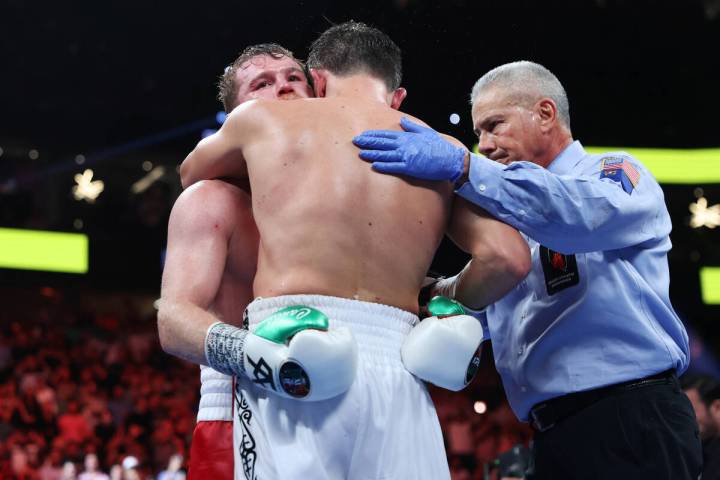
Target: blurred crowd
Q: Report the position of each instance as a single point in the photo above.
(87, 393)
(83, 394)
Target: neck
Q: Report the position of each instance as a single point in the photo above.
(357, 86)
(559, 141)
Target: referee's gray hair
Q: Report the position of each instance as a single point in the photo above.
(530, 81)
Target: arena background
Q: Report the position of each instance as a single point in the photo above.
(126, 89)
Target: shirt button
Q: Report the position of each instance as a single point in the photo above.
(520, 352)
(481, 187)
(522, 212)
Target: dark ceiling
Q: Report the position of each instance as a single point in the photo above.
(85, 75)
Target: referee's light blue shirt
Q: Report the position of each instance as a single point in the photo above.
(594, 309)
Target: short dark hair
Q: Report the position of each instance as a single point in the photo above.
(707, 387)
(227, 87)
(354, 47)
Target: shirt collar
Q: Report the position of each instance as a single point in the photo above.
(568, 158)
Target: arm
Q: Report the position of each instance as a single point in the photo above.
(194, 264)
(569, 214)
(198, 239)
(500, 255)
(220, 154)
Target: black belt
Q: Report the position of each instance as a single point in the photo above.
(545, 415)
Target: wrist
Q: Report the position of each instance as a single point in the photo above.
(224, 347)
(464, 172)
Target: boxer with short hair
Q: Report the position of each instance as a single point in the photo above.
(341, 247)
(212, 236)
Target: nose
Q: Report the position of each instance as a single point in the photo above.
(486, 144)
(284, 87)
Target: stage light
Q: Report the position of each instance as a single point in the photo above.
(710, 285)
(87, 189)
(145, 182)
(685, 167)
(41, 250)
(480, 407)
(80, 159)
(454, 118)
(220, 117)
(704, 216)
(33, 154)
(671, 166)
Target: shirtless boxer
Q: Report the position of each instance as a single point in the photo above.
(212, 254)
(338, 241)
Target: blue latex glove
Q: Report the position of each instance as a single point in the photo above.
(417, 152)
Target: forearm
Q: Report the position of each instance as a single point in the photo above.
(182, 327)
(216, 156)
(484, 281)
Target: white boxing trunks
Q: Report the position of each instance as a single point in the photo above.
(211, 450)
(384, 427)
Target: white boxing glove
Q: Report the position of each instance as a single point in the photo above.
(444, 349)
(292, 353)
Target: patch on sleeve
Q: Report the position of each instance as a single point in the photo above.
(620, 170)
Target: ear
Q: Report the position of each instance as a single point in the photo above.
(397, 98)
(319, 78)
(715, 409)
(546, 112)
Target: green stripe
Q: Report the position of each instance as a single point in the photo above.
(45, 251)
(710, 285)
(673, 166)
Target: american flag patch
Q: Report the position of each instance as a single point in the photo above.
(621, 171)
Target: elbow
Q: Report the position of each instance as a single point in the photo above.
(512, 260)
(186, 170)
(184, 174)
(519, 263)
(163, 321)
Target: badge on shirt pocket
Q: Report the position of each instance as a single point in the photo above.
(561, 271)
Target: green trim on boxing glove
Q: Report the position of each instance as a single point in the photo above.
(441, 306)
(283, 324)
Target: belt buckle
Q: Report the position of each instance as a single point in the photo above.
(537, 422)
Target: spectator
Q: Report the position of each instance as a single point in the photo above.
(68, 471)
(174, 469)
(704, 394)
(92, 471)
(73, 425)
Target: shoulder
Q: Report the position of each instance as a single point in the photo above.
(208, 201)
(248, 114)
(598, 161)
(214, 192)
(623, 168)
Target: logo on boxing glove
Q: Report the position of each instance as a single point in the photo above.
(294, 380)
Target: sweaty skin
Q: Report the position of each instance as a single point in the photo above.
(210, 264)
(212, 238)
(328, 224)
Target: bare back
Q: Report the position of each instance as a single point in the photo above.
(328, 224)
